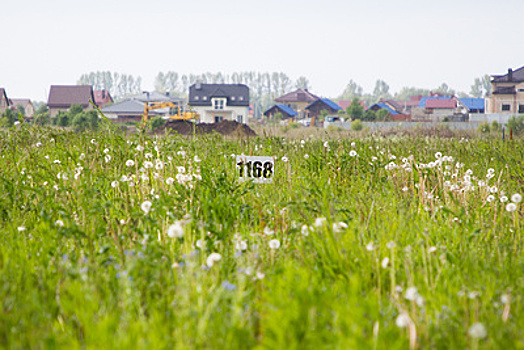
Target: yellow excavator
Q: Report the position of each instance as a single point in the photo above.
(175, 111)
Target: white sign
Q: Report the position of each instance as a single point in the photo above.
(256, 169)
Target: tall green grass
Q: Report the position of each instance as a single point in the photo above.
(378, 248)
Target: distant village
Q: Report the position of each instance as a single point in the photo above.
(216, 102)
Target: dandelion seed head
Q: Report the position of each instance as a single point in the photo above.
(477, 331)
(274, 244)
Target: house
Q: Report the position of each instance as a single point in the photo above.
(298, 100)
(62, 97)
(102, 98)
(474, 105)
(128, 110)
(26, 103)
(439, 108)
(395, 111)
(4, 101)
(217, 102)
(316, 108)
(507, 93)
(284, 110)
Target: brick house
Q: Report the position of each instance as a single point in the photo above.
(507, 93)
(26, 103)
(62, 97)
(298, 100)
(316, 108)
(102, 98)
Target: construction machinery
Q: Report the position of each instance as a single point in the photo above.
(175, 111)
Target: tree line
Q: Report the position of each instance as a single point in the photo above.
(264, 87)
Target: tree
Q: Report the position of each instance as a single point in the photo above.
(7, 118)
(381, 90)
(481, 87)
(351, 91)
(369, 115)
(383, 114)
(445, 90)
(355, 110)
(302, 83)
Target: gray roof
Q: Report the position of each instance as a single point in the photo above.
(516, 75)
(127, 107)
(64, 96)
(236, 94)
(155, 96)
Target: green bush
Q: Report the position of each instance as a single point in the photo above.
(157, 122)
(484, 128)
(42, 119)
(495, 126)
(7, 118)
(357, 125)
(516, 124)
(85, 121)
(62, 119)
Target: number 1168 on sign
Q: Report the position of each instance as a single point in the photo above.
(255, 168)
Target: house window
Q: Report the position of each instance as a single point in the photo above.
(233, 98)
(521, 109)
(506, 107)
(218, 103)
(241, 98)
(196, 98)
(218, 118)
(240, 118)
(204, 98)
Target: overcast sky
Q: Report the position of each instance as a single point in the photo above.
(405, 42)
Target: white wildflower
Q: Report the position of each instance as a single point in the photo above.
(212, 259)
(516, 198)
(274, 244)
(511, 207)
(385, 262)
(176, 230)
(130, 163)
(370, 246)
(114, 184)
(411, 293)
(403, 320)
(146, 206)
(477, 330)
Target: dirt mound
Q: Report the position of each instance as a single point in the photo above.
(225, 127)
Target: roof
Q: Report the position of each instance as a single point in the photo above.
(441, 103)
(516, 75)
(237, 95)
(102, 97)
(128, 107)
(300, 95)
(154, 96)
(67, 95)
(327, 102)
(24, 102)
(382, 105)
(504, 90)
(3, 95)
(288, 110)
(473, 103)
(423, 100)
(344, 104)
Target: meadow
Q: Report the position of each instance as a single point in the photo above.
(115, 241)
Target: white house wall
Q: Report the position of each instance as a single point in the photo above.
(207, 113)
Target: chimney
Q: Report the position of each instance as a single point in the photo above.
(510, 74)
(198, 85)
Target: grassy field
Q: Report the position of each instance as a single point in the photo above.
(117, 242)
